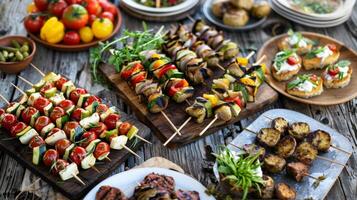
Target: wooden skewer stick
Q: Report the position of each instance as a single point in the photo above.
(329, 160)
(4, 99)
(260, 60)
(190, 18)
(221, 67)
(131, 151)
(170, 122)
(107, 158)
(37, 69)
(209, 125)
(25, 80)
(313, 177)
(19, 89)
(179, 129)
(78, 179)
(95, 169)
(142, 139)
(250, 55)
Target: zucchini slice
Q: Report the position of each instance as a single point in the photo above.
(37, 154)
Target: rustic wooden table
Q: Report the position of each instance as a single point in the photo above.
(14, 177)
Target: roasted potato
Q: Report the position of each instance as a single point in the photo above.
(297, 170)
(268, 137)
(236, 18)
(267, 190)
(320, 139)
(280, 124)
(284, 192)
(273, 163)
(218, 7)
(306, 153)
(299, 130)
(261, 9)
(286, 147)
(243, 4)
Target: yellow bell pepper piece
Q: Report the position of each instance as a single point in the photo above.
(212, 98)
(155, 56)
(52, 31)
(242, 61)
(264, 67)
(248, 81)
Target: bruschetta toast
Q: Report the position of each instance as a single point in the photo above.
(305, 86)
(320, 57)
(295, 40)
(286, 65)
(337, 75)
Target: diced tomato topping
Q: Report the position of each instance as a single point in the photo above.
(292, 60)
(332, 47)
(333, 71)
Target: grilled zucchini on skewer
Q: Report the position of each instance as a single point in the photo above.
(321, 57)
(285, 192)
(320, 139)
(273, 163)
(286, 147)
(306, 153)
(299, 130)
(280, 124)
(268, 137)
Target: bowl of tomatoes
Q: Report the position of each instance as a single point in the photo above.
(72, 25)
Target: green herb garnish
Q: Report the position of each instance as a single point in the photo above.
(343, 63)
(314, 52)
(281, 57)
(299, 80)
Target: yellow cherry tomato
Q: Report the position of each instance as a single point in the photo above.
(86, 34)
(102, 28)
(31, 8)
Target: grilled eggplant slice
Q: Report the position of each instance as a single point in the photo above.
(280, 124)
(320, 139)
(297, 170)
(268, 137)
(284, 192)
(267, 190)
(286, 147)
(299, 130)
(306, 153)
(274, 163)
(253, 149)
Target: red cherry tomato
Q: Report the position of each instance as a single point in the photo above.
(41, 4)
(108, 15)
(27, 114)
(292, 60)
(41, 122)
(333, 71)
(71, 38)
(60, 82)
(101, 108)
(8, 121)
(41, 103)
(91, 100)
(50, 157)
(111, 8)
(75, 94)
(101, 127)
(87, 137)
(101, 149)
(111, 121)
(47, 86)
(78, 154)
(77, 114)
(124, 128)
(103, 3)
(70, 126)
(92, 6)
(73, 1)
(17, 128)
(66, 104)
(75, 17)
(61, 146)
(36, 141)
(57, 7)
(56, 113)
(313, 78)
(59, 166)
(34, 24)
(332, 47)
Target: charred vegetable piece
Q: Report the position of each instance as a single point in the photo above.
(297, 170)
(274, 163)
(306, 153)
(284, 192)
(299, 130)
(286, 147)
(268, 137)
(280, 124)
(253, 149)
(320, 139)
(267, 191)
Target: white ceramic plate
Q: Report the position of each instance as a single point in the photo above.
(128, 180)
(181, 6)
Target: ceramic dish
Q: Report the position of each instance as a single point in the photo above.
(82, 46)
(138, 6)
(128, 180)
(329, 96)
(331, 171)
(253, 22)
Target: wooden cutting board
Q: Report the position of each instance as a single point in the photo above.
(176, 112)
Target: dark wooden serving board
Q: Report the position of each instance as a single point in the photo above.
(72, 188)
(176, 112)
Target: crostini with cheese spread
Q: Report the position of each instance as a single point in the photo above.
(286, 64)
(295, 40)
(337, 75)
(320, 57)
(305, 86)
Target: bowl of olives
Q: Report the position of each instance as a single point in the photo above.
(236, 15)
(16, 53)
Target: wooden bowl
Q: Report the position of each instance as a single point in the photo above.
(82, 46)
(16, 67)
(328, 96)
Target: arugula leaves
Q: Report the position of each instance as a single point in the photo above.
(314, 52)
(299, 80)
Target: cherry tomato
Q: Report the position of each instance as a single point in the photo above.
(17, 128)
(57, 7)
(75, 94)
(8, 121)
(91, 100)
(66, 104)
(313, 78)
(124, 128)
(59, 166)
(60, 82)
(61, 146)
(332, 47)
(34, 24)
(56, 113)
(101, 149)
(101, 127)
(31, 8)
(36, 141)
(41, 103)
(111, 8)
(108, 15)
(77, 114)
(47, 86)
(27, 114)
(292, 60)
(88, 137)
(78, 154)
(111, 121)
(71, 38)
(92, 6)
(50, 157)
(101, 108)
(41, 4)
(41, 122)
(73, 1)
(103, 3)
(91, 19)
(53, 131)
(333, 71)
(75, 17)
(2, 111)
(70, 126)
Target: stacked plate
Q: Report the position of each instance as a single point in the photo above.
(173, 13)
(287, 8)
